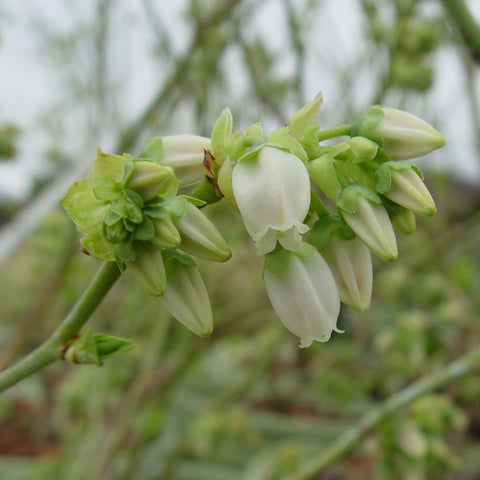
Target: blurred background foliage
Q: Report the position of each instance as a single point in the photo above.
(247, 403)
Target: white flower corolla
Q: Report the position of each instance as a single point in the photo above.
(200, 236)
(185, 154)
(305, 297)
(272, 192)
(186, 299)
(372, 224)
(351, 264)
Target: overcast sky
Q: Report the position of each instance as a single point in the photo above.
(27, 85)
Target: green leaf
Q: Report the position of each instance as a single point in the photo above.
(134, 213)
(350, 197)
(98, 246)
(323, 230)
(111, 218)
(125, 251)
(107, 169)
(175, 206)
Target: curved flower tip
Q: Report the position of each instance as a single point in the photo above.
(272, 192)
(305, 297)
(186, 299)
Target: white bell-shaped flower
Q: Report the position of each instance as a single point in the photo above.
(305, 297)
(272, 192)
(186, 299)
(351, 264)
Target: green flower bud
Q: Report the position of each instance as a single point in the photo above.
(150, 179)
(166, 234)
(404, 222)
(200, 237)
(401, 134)
(148, 267)
(116, 232)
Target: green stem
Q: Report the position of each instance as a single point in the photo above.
(345, 442)
(334, 132)
(466, 25)
(49, 351)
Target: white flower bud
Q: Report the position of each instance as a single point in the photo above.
(351, 264)
(148, 267)
(185, 154)
(401, 134)
(186, 299)
(272, 192)
(372, 224)
(305, 297)
(200, 237)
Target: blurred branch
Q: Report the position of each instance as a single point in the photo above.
(351, 437)
(49, 351)
(465, 23)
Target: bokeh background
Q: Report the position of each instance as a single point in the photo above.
(247, 403)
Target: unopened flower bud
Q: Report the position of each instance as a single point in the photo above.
(305, 297)
(401, 134)
(399, 182)
(150, 179)
(351, 264)
(166, 234)
(186, 299)
(183, 153)
(200, 237)
(148, 267)
(404, 222)
(363, 211)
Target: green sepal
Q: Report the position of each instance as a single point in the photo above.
(153, 149)
(206, 192)
(86, 211)
(145, 231)
(175, 206)
(134, 213)
(255, 130)
(365, 125)
(305, 252)
(134, 197)
(173, 258)
(281, 136)
(109, 345)
(106, 192)
(350, 197)
(243, 147)
(125, 251)
(359, 173)
(383, 174)
(111, 218)
(327, 226)
(98, 246)
(323, 173)
(276, 259)
(129, 168)
(116, 232)
(220, 136)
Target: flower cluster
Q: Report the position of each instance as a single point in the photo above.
(316, 257)
(129, 212)
(315, 212)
